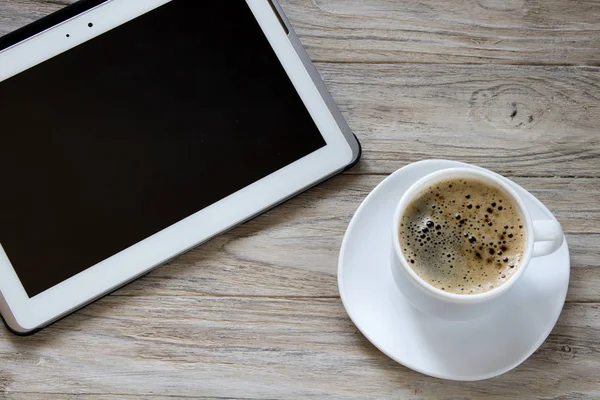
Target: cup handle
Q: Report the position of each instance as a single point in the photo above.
(547, 236)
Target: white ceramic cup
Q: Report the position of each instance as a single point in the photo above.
(542, 237)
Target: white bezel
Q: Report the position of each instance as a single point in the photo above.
(24, 314)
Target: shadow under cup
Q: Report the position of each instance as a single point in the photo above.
(453, 306)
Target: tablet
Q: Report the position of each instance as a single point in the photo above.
(132, 131)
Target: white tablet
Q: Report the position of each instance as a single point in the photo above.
(132, 131)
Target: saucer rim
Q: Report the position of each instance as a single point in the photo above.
(366, 203)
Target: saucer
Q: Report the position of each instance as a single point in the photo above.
(465, 351)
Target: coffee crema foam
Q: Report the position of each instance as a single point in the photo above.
(463, 236)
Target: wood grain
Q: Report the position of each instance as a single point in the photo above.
(17, 13)
(510, 85)
(548, 32)
(265, 348)
(525, 121)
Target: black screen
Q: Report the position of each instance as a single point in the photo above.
(126, 134)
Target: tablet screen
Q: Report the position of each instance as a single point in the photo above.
(137, 129)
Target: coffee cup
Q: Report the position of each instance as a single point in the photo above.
(539, 238)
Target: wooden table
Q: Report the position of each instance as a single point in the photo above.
(511, 85)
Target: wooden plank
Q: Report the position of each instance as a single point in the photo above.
(517, 120)
(386, 31)
(71, 396)
(265, 349)
(464, 31)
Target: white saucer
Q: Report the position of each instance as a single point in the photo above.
(466, 351)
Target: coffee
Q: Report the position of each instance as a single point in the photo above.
(463, 236)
